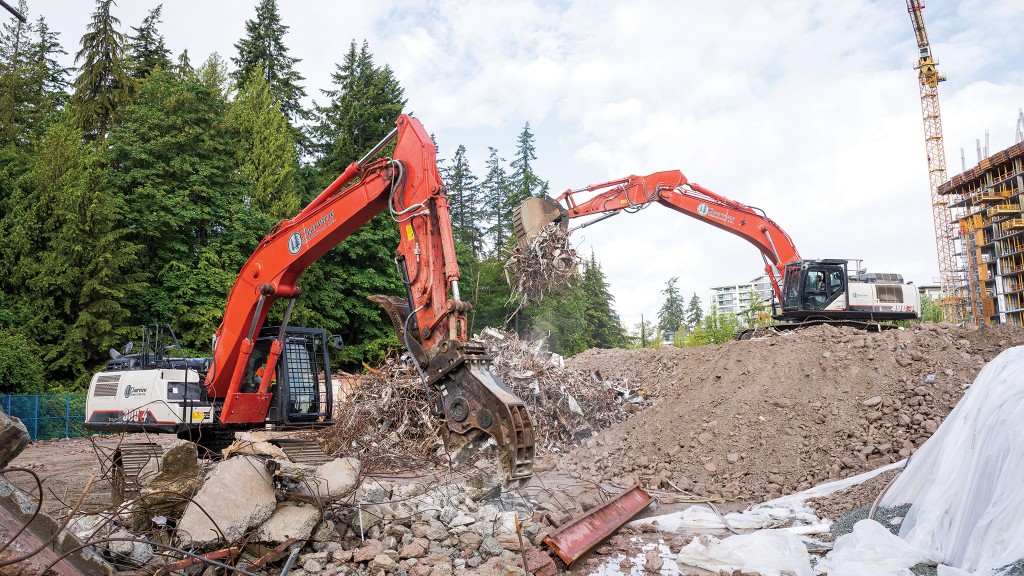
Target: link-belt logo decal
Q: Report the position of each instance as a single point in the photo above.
(707, 211)
(295, 243)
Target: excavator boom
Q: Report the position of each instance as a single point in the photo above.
(671, 189)
(807, 291)
(262, 376)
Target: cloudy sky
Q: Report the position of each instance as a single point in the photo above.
(807, 109)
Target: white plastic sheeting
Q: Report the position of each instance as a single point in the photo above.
(871, 550)
(767, 552)
(965, 483)
(702, 520)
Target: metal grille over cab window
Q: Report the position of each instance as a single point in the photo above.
(889, 292)
(303, 376)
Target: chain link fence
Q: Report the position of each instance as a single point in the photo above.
(47, 416)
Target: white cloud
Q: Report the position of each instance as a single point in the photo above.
(807, 109)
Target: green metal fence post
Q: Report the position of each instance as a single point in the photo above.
(67, 415)
(35, 425)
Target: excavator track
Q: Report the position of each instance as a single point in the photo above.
(302, 451)
(128, 460)
(864, 325)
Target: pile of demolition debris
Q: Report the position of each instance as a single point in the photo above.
(385, 417)
(257, 511)
(756, 419)
(548, 262)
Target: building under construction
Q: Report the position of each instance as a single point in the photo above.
(989, 197)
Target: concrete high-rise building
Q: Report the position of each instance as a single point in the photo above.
(735, 298)
(990, 197)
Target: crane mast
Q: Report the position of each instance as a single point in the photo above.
(954, 307)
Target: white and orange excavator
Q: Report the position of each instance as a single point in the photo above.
(279, 377)
(806, 291)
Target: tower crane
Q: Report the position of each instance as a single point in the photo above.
(954, 304)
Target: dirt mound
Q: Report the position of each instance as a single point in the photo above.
(759, 418)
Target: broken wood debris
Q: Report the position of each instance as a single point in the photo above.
(544, 265)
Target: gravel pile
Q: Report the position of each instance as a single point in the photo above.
(759, 418)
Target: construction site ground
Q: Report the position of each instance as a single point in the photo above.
(735, 425)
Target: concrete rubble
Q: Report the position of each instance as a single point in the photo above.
(343, 521)
(43, 541)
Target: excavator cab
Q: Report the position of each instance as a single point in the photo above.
(301, 386)
(530, 217)
(813, 285)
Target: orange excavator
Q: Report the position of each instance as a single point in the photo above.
(806, 291)
(278, 377)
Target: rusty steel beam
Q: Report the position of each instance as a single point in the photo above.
(274, 555)
(579, 535)
(189, 562)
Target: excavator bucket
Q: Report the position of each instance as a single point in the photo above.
(533, 215)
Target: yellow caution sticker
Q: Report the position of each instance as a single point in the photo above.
(197, 415)
(409, 234)
(623, 201)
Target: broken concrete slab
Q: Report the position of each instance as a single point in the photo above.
(289, 520)
(13, 438)
(334, 479)
(253, 444)
(166, 493)
(237, 497)
(16, 510)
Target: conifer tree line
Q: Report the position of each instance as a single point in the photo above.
(135, 184)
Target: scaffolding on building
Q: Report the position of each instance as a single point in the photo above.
(992, 223)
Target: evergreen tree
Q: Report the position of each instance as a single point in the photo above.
(21, 370)
(73, 267)
(14, 82)
(32, 82)
(671, 314)
(497, 209)
(561, 319)
(461, 186)
(484, 285)
(184, 66)
(52, 76)
(364, 102)
(103, 85)
(267, 153)
(263, 48)
(523, 182)
(214, 74)
(603, 325)
(694, 313)
(173, 159)
(146, 47)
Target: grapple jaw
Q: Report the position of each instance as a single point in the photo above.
(533, 215)
(476, 405)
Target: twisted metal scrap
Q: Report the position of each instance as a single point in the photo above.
(547, 263)
(567, 406)
(386, 419)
